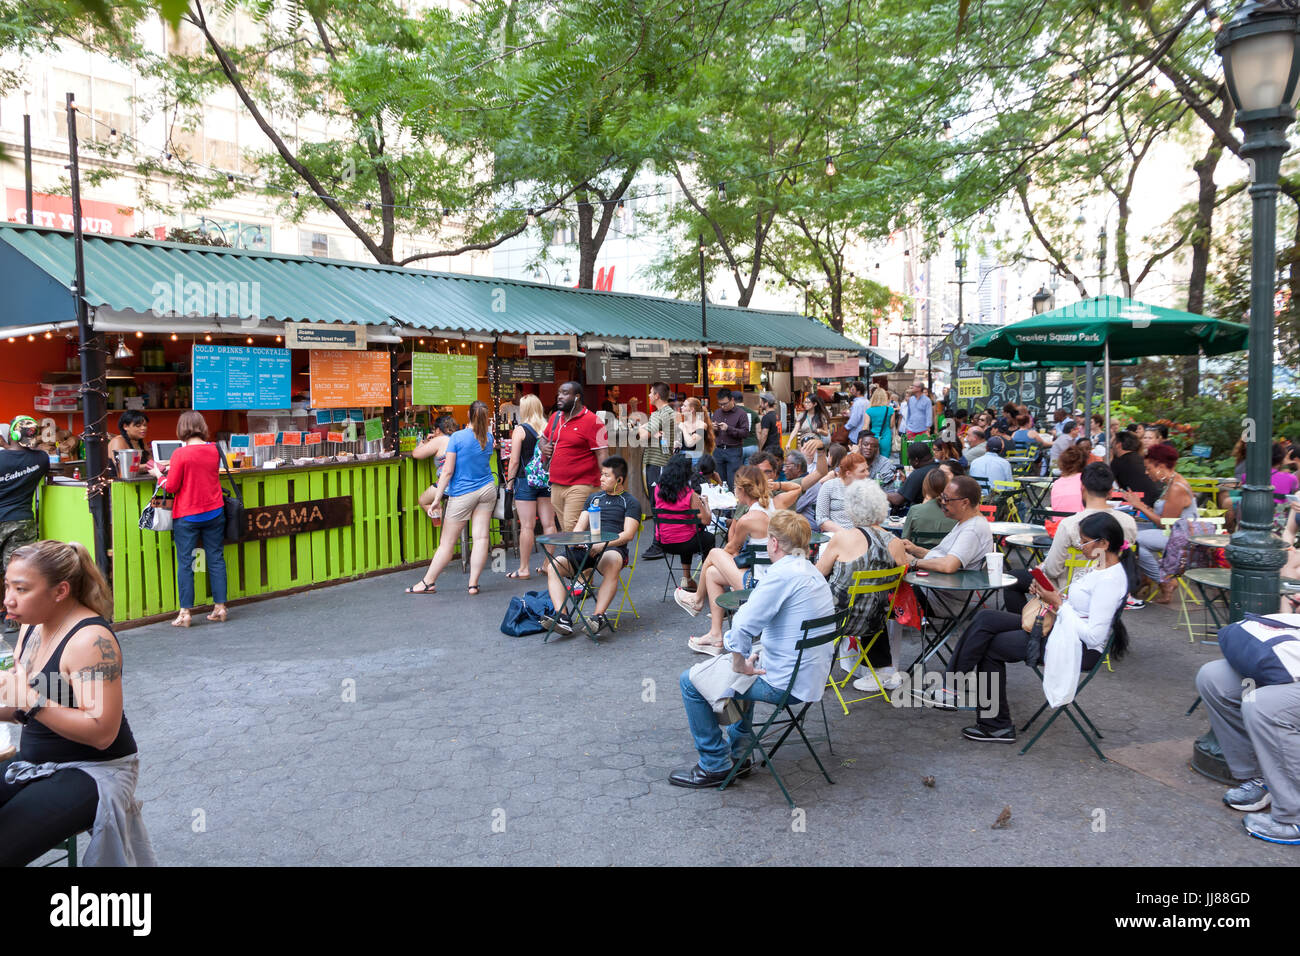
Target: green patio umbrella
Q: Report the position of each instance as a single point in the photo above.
(1107, 328)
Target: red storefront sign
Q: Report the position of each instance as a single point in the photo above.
(55, 212)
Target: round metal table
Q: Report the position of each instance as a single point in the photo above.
(943, 616)
(574, 588)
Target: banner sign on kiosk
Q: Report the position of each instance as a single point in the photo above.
(523, 371)
(324, 335)
(820, 368)
(607, 369)
(540, 345)
(971, 387)
(762, 355)
(272, 521)
(240, 377)
(648, 348)
(349, 379)
(443, 379)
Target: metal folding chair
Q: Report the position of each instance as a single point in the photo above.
(830, 628)
(1073, 704)
(866, 582)
(664, 517)
(624, 580)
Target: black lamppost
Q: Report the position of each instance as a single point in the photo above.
(1261, 62)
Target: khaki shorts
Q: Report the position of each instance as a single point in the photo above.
(462, 506)
(568, 502)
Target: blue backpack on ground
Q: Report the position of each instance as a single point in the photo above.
(1273, 658)
(524, 615)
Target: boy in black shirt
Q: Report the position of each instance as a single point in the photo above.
(620, 513)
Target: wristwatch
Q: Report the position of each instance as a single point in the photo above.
(23, 716)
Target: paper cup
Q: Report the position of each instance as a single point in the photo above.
(993, 564)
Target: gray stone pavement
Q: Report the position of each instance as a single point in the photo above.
(465, 746)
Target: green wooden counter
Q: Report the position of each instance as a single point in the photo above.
(63, 515)
(388, 531)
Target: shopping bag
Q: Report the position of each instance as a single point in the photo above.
(157, 514)
(1061, 663)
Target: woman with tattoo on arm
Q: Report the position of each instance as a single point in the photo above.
(76, 767)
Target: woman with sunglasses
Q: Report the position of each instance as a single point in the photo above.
(1088, 612)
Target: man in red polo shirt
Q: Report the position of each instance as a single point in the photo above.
(575, 443)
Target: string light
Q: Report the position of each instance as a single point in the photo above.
(207, 338)
(1077, 77)
(279, 338)
(250, 340)
(230, 179)
(1212, 18)
(722, 192)
(174, 336)
(947, 130)
(830, 166)
(49, 335)
(31, 338)
(532, 218)
(139, 335)
(367, 206)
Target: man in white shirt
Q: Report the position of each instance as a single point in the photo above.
(1064, 439)
(793, 591)
(975, 444)
(964, 547)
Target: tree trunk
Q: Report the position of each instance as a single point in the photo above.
(1202, 234)
(587, 247)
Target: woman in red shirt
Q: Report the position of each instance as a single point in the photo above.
(198, 517)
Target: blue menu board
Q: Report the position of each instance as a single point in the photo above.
(240, 377)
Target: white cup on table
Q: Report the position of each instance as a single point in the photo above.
(993, 564)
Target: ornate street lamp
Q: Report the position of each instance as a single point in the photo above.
(1261, 62)
(1043, 300)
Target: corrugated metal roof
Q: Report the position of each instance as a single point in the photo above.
(129, 275)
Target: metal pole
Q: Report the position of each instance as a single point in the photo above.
(929, 368)
(93, 386)
(27, 163)
(1105, 391)
(1256, 557)
(704, 328)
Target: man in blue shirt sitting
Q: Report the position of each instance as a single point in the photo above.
(991, 466)
(792, 592)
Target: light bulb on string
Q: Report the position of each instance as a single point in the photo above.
(830, 166)
(722, 192)
(207, 338)
(139, 334)
(250, 340)
(174, 336)
(947, 130)
(230, 179)
(49, 335)
(31, 338)
(1077, 78)
(532, 218)
(1212, 17)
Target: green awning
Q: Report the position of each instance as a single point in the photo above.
(134, 275)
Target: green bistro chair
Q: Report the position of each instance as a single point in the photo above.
(831, 628)
(1105, 656)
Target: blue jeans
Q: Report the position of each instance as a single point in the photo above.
(727, 461)
(715, 754)
(190, 535)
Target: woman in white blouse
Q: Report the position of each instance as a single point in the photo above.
(1090, 609)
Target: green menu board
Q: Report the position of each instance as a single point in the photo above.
(443, 379)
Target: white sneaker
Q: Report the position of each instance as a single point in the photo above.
(686, 600)
(889, 675)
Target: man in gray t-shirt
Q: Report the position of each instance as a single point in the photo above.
(964, 547)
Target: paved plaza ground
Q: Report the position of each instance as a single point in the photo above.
(357, 725)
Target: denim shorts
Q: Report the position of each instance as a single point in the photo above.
(526, 492)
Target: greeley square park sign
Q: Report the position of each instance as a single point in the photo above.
(300, 517)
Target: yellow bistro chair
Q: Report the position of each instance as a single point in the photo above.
(867, 582)
(624, 581)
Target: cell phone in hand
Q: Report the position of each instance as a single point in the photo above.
(1043, 581)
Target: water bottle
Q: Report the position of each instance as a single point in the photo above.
(6, 657)
(593, 520)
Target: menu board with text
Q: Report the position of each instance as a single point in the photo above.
(350, 379)
(240, 377)
(443, 379)
(524, 371)
(607, 369)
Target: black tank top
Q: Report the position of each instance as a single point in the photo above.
(40, 744)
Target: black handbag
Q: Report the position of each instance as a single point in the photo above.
(233, 507)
